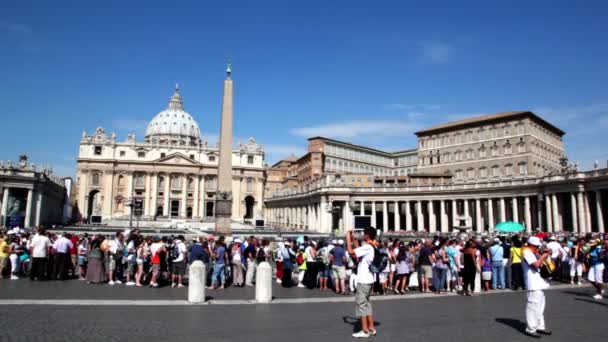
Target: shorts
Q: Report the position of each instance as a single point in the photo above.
(82, 260)
(139, 261)
(130, 267)
(363, 306)
(487, 276)
(576, 268)
(155, 268)
(383, 277)
(179, 268)
(326, 272)
(596, 273)
(110, 263)
(338, 272)
(393, 267)
(427, 271)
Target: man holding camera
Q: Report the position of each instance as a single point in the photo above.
(535, 284)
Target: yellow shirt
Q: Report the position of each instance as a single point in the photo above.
(516, 255)
(3, 246)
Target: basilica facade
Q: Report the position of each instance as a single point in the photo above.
(173, 173)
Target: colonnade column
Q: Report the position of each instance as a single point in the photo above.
(419, 215)
(490, 215)
(549, 215)
(38, 208)
(514, 208)
(556, 223)
(527, 214)
(574, 212)
(432, 219)
(201, 199)
(5, 206)
(147, 195)
(28, 208)
(503, 214)
(129, 192)
(362, 208)
(385, 216)
(374, 223)
(408, 216)
(182, 210)
(478, 215)
(397, 216)
(454, 213)
(347, 217)
(588, 213)
(444, 218)
(466, 213)
(599, 211)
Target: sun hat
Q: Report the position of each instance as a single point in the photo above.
(534, 241)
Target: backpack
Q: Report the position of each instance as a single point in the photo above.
(300, 259)
(174, 252)
(260, 255)
(379, 263)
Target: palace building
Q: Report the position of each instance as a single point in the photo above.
(173, 173)
(472, 174)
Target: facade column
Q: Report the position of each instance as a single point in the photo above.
(167, 195)
(599, 208)
(574, 213)
(556, 223)
(202, 207)
(38, 208)
(527, 214)
(147, 193)
(197, 193)
(490, 215)
(385, 216)
(184, 196)
(397, 216)
(444, 218)
(347, 217)
(549, 215)
(503, 214)
(466, 213)
(514, 208)
(374, 222)
(455, 222)
(28, 208)
(432, 219)
(478, 215)
(128, 209)
(5, 206)
(323, 224)
(408, 216)
(362, 208)
(588, 213)
(420, 216)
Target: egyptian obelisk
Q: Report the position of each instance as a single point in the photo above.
(223, 201)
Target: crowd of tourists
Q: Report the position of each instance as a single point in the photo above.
(432, 264)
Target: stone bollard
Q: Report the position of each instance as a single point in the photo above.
(197, 278)
(477, 282)
(263, 283)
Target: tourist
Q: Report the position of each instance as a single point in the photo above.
(323, 266)
(251, 254)
(402, 270)
(365, 279)
(453, 265)
(73, 263)
(392, 259)
(237, 263)
(220, 255)
(517, 273)
(62, 257)
(310, 276)
(302, 265)
(470, 268)
(596, 267)
(577, 267)
(5, 250)
(425, 260)
(486, 270)
(131, 251)
(440, 269)
(495, 255)
(337, 257)
(157, 250)
(535, 284)
(113, 250)
(141, 255)
(96, 272)
(384, 274)
(289, 258)
(15, 251)
(506, 257)
(39, 249)
(83, 250)
(278, 260)
(179, 256)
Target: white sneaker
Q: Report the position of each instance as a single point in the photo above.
(279, 281)
(118, 282)
(579, 283)
(111, 282)
(14, 277)
(372, 333)
(361, 334)
(300, 285)
(130, 283)
(598, 296)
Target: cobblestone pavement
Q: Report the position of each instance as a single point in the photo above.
(571, 314)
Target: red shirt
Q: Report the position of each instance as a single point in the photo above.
(74, 240)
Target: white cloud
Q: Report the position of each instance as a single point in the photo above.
(276, 152)
(131, 126)
(436, 52)
(358, 129)
(409, 107)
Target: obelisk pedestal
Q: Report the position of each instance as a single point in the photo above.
(223, 201)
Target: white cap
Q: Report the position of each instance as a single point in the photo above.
(334, 241)
(340, 242)
(534, 241)
(238, 241)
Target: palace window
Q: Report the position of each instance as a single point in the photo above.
(483, 172)
(176, 182)
(249, 160)
(508, 170)
(190, 184)
(122, 153)
(495, 171)
(162, 154)
(141, 154)
(521, 147)
(508, 148)
(458, 174)
(95, 179)
(139, 181)
(211, 158)
(121, 180)
(523, 169)
(250, 185)
(161, 183)
(97, 150)
(192, 156)
(471, 173)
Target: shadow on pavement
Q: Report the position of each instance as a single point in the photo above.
(356, 323)
(592, 301)
(513, 323)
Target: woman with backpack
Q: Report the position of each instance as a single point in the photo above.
(302, 265)
(289, 258)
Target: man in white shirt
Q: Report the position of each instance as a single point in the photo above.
(179, 263)
(62, 256)
(39, 249)
(365, 279)
(535, 284)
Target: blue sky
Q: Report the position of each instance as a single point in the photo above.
(361, 71)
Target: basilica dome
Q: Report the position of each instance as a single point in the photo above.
(173, 125)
